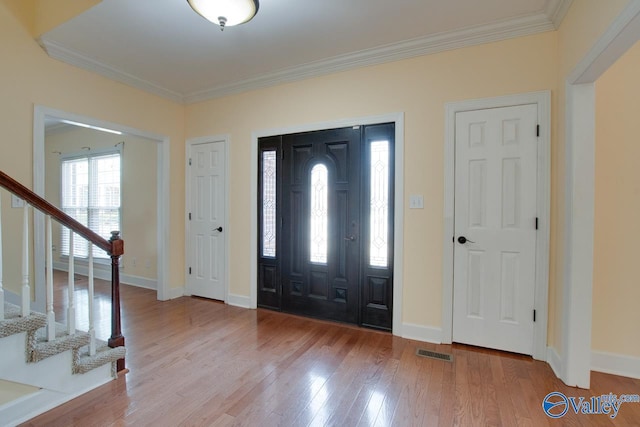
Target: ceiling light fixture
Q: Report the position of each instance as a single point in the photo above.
(226, 13)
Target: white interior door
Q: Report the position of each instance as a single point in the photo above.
(207, 223)
(495, 212)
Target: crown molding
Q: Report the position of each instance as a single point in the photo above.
(547, 20)
(471, 36)
(556, 10)
(59, 52)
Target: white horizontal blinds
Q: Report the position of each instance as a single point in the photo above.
(104, 197)
(91, 194)
(74, 195)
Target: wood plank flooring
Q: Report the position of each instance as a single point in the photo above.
(196, 362)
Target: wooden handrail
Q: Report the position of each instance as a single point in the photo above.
(114, 247)
(42, 205)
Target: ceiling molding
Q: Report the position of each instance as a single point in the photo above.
(472, 36)
(556, 10)
(548, 20)
(56, 51)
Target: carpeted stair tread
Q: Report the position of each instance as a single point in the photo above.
(14, 323)
(83, 362)
(41, 348)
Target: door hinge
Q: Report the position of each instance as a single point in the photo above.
(189, 270)
(189, 161)
(534, 315)
(190, 218)
(536, 223)
(538, 130)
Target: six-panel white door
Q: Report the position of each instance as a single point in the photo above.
(495, 211)
(206, 277)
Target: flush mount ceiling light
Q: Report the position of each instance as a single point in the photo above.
(226, 13)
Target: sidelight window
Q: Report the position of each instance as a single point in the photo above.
(319, 214)
(269, 203)
(379, 204)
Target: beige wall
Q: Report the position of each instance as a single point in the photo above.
(418, 87)
(585, 22)
(139, 190)
(29, 77)
(616, 271)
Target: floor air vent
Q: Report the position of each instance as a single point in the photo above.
(434, 355)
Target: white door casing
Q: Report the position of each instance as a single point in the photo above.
(495, 209)
(207, 219)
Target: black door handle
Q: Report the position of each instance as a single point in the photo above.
(462, 240)
(218, 229)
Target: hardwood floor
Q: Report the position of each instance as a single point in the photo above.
(197, 362)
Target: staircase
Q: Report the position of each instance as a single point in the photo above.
(44, 363)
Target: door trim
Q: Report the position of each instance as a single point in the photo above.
(40, 112)
(543, 101)
(398, 226)
(187, 205)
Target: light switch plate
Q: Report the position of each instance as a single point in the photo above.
(416, 201)
(16, 202)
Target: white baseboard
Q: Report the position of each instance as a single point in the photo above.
(616, 364)
(555, 361)
(176, 292)
(239, 300)
(422, 333)
(102, 273)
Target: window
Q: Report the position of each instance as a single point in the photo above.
(379, 204)
(90, 193)
(319, 214)
(269, 203)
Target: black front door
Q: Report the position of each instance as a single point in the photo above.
(316, 227)
(321, 224)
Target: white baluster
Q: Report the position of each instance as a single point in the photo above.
(26, 289)
(71, 311)
(92, 331)
(1, 288)
(51, 316)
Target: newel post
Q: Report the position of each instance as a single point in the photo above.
(117, 249)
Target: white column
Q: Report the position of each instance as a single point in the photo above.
(26, 289)
(578, 238)
(1, 287)
(92, 331)
(51, 316)
(71, 310)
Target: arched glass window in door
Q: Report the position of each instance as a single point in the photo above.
(319, 214)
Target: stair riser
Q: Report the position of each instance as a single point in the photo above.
(53, 373)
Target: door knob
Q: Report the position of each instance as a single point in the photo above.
(350, 238)
(462, 240)
(218, 229)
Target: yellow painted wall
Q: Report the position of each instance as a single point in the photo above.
(418, 87)
(585, 22)
(29, 77)
(139, 190)
(616, 272)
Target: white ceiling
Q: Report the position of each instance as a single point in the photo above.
(164, 47)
